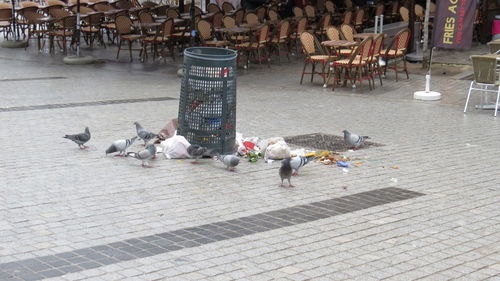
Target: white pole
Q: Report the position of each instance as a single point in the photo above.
(381, 23)
(376, 24)
(426, 24)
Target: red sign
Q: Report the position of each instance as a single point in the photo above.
(453, 23)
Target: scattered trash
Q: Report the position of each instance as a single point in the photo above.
(358, 163)
(395, 167)
(345, 170)
(175, 147)
(344, 187)
(394, 180)
(279, 150)
(343, 164)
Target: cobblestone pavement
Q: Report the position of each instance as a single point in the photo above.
(424, 206)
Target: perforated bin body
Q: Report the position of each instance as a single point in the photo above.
(207, 106)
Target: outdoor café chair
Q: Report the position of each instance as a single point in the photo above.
(373, 61)
(256, 44)
(486, 78)
(281, 39)
(125, 33)
(252, 19)
(62, 31)
(91, 28)
(213, 8)
(354, 68)
(162, 37)
(206, 35)
(5, 21)
(396, 51)
(261, 13)
(314, 54)
(239, 16)
(332, 33)
(299, 29)
(227, 7)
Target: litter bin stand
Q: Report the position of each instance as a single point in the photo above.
(207, 104)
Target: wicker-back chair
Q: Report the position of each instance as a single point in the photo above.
(273, 15)
(252, 19)
(310, 13)
(59, 13)
(347, 17)
(229, 22)
(146, 17)
(217, 20)
(173, 13)
(354, 68)
(123, 4)
(373, 62)
(332, 33)
(485, 78)
(359, 19)
(419, 12)
(320, 6)
(313, 56)
(227, 7)
(392, 13)
(404, 14)
(213, 8)
(64, 29)
(324, 23)
(124, 31)
(397, 51)
(330, 7)
(6, 20)
(347, 32)
(92, 28)
(255, 46)
(239, 16)
(281, 38)
(298, 12)
(160, 10)
(348, 4)
(300, 27)
(205, 34)
(261, 13)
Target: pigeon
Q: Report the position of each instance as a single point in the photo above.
(120, 146)
(144, 155)
(80, 139)
(144, 134)
(196, 152)
(299, 161)
(229, 160)
(354, 141)
(286, 171)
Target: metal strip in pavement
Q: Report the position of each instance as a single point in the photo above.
(80, 104)
(32, 78)
(79, 260)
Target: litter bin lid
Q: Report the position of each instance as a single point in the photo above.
(211, 54)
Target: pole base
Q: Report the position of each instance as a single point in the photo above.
(415, 57)
(14, 44)
(76, 60)
(423, 95)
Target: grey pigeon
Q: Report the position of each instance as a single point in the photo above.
(286, 172)
(144, 134)
(80, 139)
(299, 161)
(120, 146)
(196, 151)
(229, 160)
(144, 155)
(354, 141)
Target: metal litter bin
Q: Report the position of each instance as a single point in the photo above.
(207, 106)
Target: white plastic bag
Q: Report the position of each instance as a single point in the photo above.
(175, 147)
(278, 150)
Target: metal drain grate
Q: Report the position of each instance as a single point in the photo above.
(319, 141)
